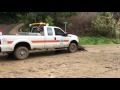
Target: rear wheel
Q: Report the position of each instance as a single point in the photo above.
(21, 52)
(72, 47)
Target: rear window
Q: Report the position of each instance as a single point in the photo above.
(49, 31)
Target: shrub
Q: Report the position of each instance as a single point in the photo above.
(106, 25)
(81, 23)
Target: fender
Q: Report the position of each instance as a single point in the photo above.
(22, 40)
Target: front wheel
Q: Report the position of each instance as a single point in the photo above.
(21, 52)
(72, 47)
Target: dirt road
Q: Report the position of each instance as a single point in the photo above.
(99, 61)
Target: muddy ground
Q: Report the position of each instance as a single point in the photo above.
(99, 61)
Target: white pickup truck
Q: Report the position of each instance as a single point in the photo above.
(51, 37)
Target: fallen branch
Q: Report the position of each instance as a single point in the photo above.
(81, 48)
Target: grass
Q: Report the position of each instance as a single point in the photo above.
(97, 40)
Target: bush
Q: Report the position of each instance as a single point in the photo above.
(81, 23)
(106, 25)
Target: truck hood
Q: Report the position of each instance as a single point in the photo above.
(71, 35)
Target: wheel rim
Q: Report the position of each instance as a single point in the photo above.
(22, 53)
(73, 47)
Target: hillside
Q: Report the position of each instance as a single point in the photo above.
(10, 28)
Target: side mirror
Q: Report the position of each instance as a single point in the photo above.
(66, 34)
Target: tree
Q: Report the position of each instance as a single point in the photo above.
(49, 20)
(29, 17)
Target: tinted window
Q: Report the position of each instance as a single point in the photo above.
(59, 31)
(49, 31)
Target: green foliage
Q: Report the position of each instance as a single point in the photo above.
(80, 24)
(106, 25)
(63, 16)
(49, 20)
(27, 30)
(51, 17)
(97, 40)
(30, 17)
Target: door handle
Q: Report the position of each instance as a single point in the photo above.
(55, 38)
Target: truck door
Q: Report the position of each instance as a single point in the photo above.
(60, 37)
(38, 41)
(49, 38)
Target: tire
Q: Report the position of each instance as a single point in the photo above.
(21, 53)
(72, 48)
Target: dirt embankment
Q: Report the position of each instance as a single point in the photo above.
(99, 61)
(10, 28)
